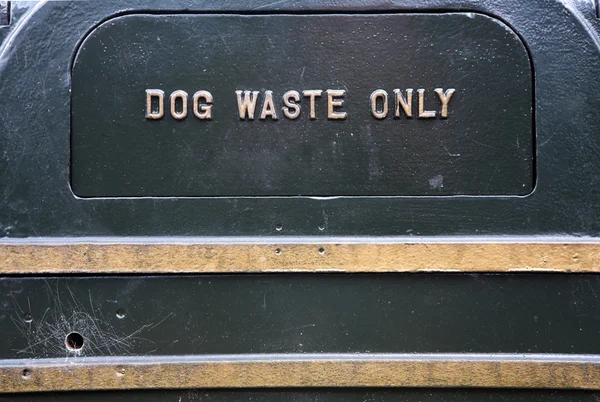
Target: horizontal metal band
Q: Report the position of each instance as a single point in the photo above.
(268, 371)
(213, 257)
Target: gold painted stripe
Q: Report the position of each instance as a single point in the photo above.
(261, 372)
(38, 258)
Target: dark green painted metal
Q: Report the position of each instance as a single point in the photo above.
(511, 313)
(300, 313)
(37, 199)
(347, 395)
(484, 147)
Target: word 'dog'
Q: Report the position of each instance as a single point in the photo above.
(155, 104)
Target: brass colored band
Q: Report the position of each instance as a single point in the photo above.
(39, 258)
(262, 372)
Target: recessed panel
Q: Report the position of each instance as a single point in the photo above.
(302, 105)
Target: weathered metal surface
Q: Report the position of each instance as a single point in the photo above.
(36, 131)
(225, 256)
(300, 313)
(142, 317)
(5, 13)
(277, 371)
(315, 395)
(330, 139)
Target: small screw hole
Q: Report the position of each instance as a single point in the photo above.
(321, 227)
(26, 374)
(321, 250)
(278, 251)
(27, 317)
(120, 314)
(74, 341)
(278, 227)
